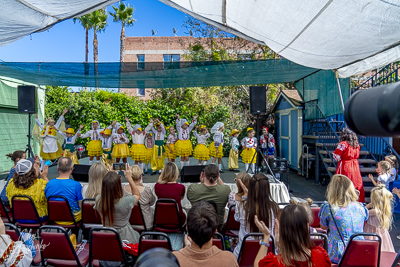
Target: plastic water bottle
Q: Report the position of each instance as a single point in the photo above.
(227, 243)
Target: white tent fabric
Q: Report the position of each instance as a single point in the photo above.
(352, 36)
(19, 18)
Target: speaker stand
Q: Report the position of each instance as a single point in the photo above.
(28, 149)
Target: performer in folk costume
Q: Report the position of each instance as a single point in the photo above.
(149, 144)
(121, 149)
(70, 138)
(106, 143)
(171, 140)
(216, 147)
(234, 153)
(183, 146)
(249, 145)
(49, 138)
(158, 157)
(138, 150)
(201, 151)
(94, 147)
(267, 141)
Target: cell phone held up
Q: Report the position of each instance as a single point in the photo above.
(119, 166)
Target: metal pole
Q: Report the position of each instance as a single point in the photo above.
(340, 91)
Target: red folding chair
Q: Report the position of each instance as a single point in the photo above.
(137, 220)
(166, 216)
(99, 251)
(60, 211)
(219, 241)
(24, 209)
(320, 240)
(364, 253)
(390, 259)
(59, 250)
(250, 247)
(156, 241)
(230, 224)
(6, 216)
(90, 217)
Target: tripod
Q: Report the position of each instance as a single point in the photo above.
(28, 149)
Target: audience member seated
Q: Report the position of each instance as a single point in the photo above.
(26, 182)
(292, 236)
(211, 189)
(13, 253)
(307, 206)
(238, 197)
(147, 198)
(15, 157)
(167, 187)
(202, 223)
(258, 201)
(114, 208)
(342, 210)
(64, 186)
(96, 174)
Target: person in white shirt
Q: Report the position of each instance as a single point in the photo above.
(216, 147)
(70, 138)
(138, 150)
(249, 145)
(183, 146)
(383, 170)
(94, 147)
(158, 157)
(121, 149)
(106, 143)
(392, 159)
(201, 151)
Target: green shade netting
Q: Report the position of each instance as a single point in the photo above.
(156, 74)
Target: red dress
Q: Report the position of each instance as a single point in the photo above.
(319, 258)
(348, 165)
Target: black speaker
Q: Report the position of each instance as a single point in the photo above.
(258, 99)
(191, 174)
(26, 99)
(81, 173)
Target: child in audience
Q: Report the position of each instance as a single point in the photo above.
(307, 207)
(138, 150)
(171, 140)
(201, 151)
(238, 197)
(383, 170)
(183, 147)
(121, 149)
(234, 152)
(249, 145)
(94, 147)
(392, 159)
(380, 216)
(216, 147)
(70, 138)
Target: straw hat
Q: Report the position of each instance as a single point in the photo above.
(234, 131)
(70, 131)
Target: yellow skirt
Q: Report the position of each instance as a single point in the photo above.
(149, 155)
(138, 152)
(247, 155)
(71, 155)
(183, 148)
(51, 156)
(233, 160)
(94, 148)
(157, 162)
(201, 152)
(120, 151)
(168, 153)
(213, 151)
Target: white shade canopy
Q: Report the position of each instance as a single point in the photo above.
(352, 36)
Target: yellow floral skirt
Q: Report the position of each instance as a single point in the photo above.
(213, 151)
(247, 155)
(201, 152)
(94, 148)
(138, 152)
(183, 148)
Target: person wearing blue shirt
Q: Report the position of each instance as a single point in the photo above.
(63, 186)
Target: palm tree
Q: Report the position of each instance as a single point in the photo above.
(98, 22)
(123, 13)
(85, 22)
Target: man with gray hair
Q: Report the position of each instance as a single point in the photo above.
(63, 186)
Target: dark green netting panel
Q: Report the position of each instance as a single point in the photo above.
(321, 89)
(157, 74)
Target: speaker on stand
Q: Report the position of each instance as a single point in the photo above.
(27, 104)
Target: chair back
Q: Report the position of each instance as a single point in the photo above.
(113, 251)
(89, 214)
(396, 260)
(316, 221)
(320, 240)
(219, 241)
(364, 253)
(231, 223)
(156, 242)
(23, 208)
(166, 216)
(250, 247)
(12, 231)
(59, 209)
(137, 218)
(5, 215)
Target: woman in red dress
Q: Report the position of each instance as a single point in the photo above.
(347, 153)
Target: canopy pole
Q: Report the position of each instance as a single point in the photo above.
(339, 89)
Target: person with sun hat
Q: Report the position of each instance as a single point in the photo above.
(107, 145)
(158, 156)
(234, 152)
(216, 147)
(70, 138)
(94, 147)
(249, 145)
(121, 149)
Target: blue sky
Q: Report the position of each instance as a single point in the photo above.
(65, 42)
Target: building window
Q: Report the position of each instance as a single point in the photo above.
(171, 61)
(140, 64)
(141, 91)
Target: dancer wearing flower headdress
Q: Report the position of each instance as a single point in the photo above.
(138, 150)
(183, 146)
(121, 149)
(171, 140)
(216, 147)
(70, 138)
(234, 152)
(267, 141)
(49, 138)
(94, 147)
(249, 145)
(201, 151)
(158, 156)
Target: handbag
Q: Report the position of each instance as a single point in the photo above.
(337, 227)
(132, 249)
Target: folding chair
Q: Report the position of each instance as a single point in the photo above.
(24, 209)
(58, 250)
(6, 216)
(230, 224)
(99, 251)
(219, 241)
(90, 217)
(60, 210)
(137, 220)
(250, 247)
(364, 253)
(390, 258)
(156, 242)
(166, 216)
(320, 240)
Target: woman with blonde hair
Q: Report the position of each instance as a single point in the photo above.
(96, 174)
(147, 198)
(167, 187)
(343, 215)
(238, 197)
